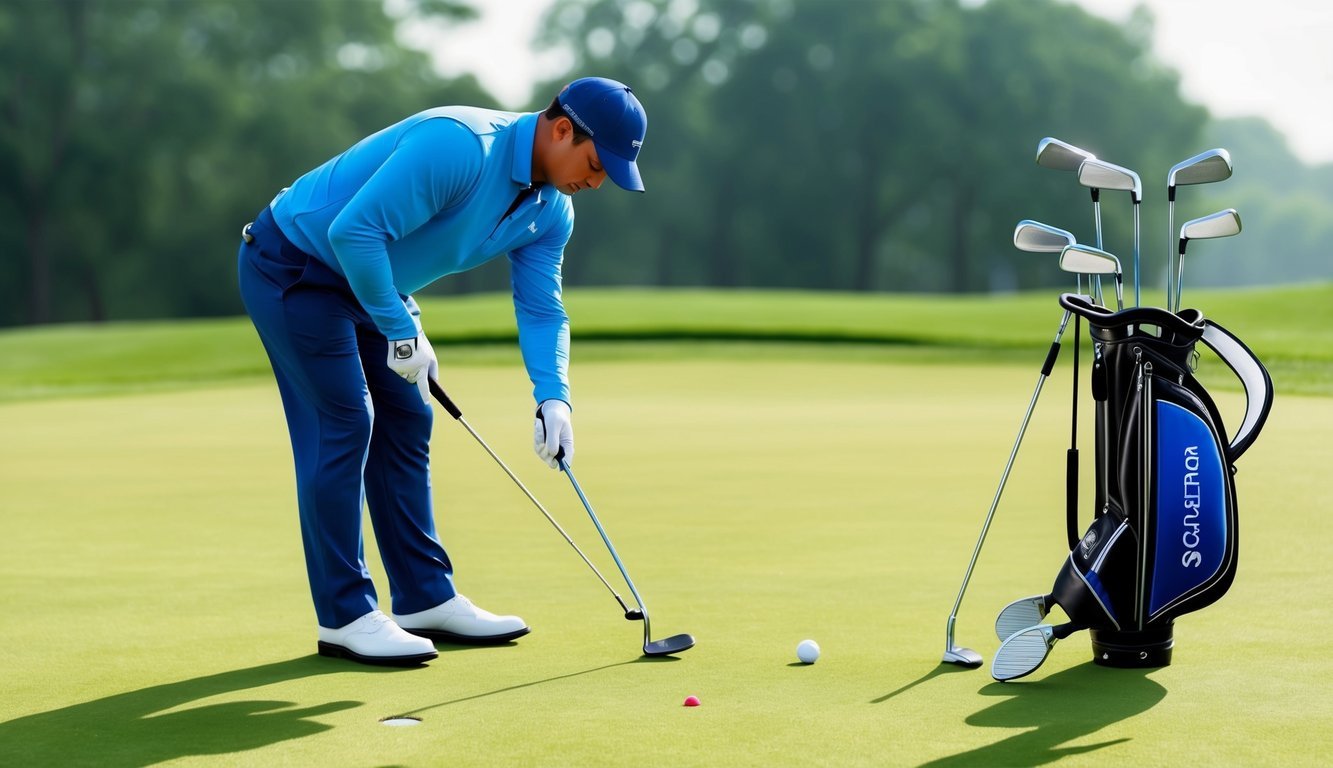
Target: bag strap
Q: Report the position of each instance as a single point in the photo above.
(1252, 374)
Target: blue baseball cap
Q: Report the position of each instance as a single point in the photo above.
(611, 114)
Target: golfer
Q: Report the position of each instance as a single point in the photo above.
(327, 270)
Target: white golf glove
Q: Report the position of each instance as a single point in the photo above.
(414, 360)
(552, 431)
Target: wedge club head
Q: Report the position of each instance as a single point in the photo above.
(1023, 652)
(1021, 614)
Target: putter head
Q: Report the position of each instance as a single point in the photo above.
(1224, 223)
(668, 646)
(963, 657)
(1203, 168)
(1100, 174)
(1035, 237)
(1056, 154)
(1022, 653)
(1019, 615)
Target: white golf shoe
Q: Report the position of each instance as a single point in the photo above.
(375, 639)
(459, 621)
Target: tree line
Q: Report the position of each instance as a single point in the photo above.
(859, 145)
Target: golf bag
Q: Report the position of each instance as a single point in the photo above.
(1164, 540)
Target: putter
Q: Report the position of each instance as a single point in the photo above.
(1224, 223)
(443, 398)
(1021, 614)
(1103, 175)
(1203, 168)
(1025, 650)
(1094, 261)
(954, 653)
(666, 646)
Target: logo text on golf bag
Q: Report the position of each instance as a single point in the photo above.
(1190, 536)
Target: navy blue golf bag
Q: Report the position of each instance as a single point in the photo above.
(1164, 539)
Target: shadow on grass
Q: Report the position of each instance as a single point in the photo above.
(126, 730)
(1055, 710)
(641, 660)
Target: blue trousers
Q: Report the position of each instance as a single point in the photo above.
(360, 433)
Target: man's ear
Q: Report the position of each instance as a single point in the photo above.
(561, 128)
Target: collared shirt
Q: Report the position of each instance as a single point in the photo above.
(426, 198)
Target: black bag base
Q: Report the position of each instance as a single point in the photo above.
(1147, 648)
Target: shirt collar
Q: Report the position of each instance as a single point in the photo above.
(525, 133)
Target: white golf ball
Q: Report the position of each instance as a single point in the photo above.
(808, 651)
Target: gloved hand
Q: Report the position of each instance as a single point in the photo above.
(414, 360)
(552, 431)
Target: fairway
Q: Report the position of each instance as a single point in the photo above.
(158, 612)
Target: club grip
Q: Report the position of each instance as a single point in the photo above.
(443, 397)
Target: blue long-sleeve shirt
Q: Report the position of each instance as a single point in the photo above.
(427, 198)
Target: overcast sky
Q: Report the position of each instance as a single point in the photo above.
(1272, 58)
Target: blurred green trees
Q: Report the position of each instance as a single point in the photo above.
(137, 136)
(850, 144)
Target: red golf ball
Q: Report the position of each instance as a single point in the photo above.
(691, 701)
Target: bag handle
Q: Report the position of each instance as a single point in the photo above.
(1252, 374)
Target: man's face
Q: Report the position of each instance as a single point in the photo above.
(574, 166)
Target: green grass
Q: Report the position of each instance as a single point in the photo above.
(773, 466)
(1291, 329)
(157, 611)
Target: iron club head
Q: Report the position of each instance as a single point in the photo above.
(1035, 237)
(1203, 168)
(1224, 223)
(1086, 260)
(1056, 154)
(1103, 175)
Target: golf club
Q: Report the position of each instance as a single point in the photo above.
(1103, 175)
(1224, 223)
(1094, 261)
(1025, 650)
(953, 653)
(1061, 156)
(1021, 614)
(1203, 168)
(664, 647)
(443, 398)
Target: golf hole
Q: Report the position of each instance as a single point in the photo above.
(400, 720)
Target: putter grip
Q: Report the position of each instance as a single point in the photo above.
(443, 397)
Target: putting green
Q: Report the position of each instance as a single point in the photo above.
(156, 609)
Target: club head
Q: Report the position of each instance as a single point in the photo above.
(1100, 174)
(1019, 615)
(1022, 653)
(1035, 237)
(963, 657)
(634, 615)
(1086, 260)
(1221, 224)
(1056, 154)
(1203, 168)
(668, 646)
